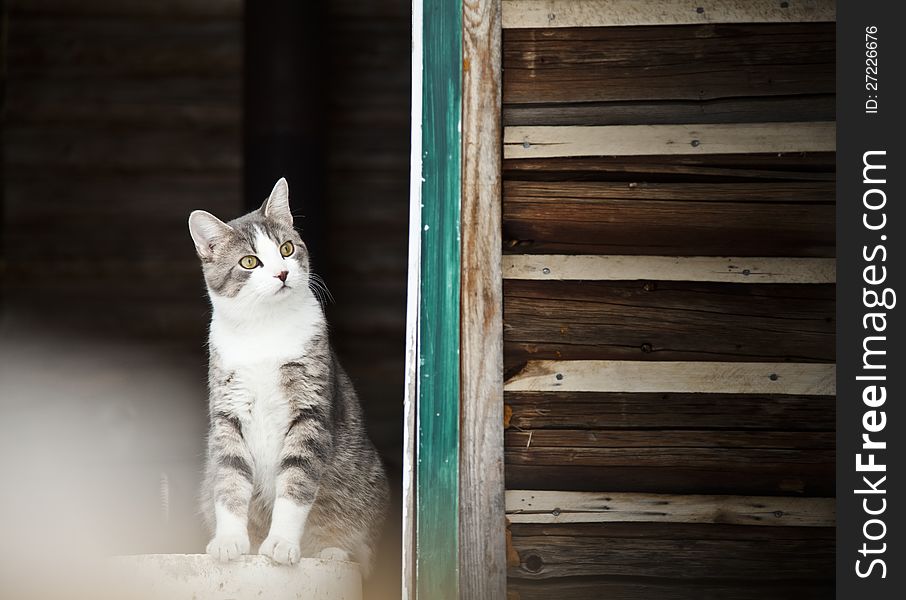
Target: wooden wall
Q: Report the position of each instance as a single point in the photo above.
(668, 230)
(119, 119)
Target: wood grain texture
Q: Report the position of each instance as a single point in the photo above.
(698, 552)
(123, 48)
(649, 140)
(620, 320)
(540, 506)
(674, 376)
(741, 475)
(634, 588)
(806, 107)
(692, 62)
(667, 438)
(584, 410)
(776, 219)
(172, 9)
(481, 488)
(717, 168)
(552, 267)
(521, 14)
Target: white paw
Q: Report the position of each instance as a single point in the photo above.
(332, 553)
(280, 549)
(228, 547)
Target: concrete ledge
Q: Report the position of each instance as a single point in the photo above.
(199, 577)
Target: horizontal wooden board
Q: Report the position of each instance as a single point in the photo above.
(696, 552)
(821, 107)
(540, 506)
(104, 149)
(817, 166)
(115, 48)
(553, 267)
(667, 439)
(521, 14)
(685, 62)
(650, 140)
(623, 320)
(757, 219)
(172, 9)
(210, 102)
(635, 588)
(675, 376)
(738, 476)
(578, 410)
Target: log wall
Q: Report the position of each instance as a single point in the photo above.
(669, 299)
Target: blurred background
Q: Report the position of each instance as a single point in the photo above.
(119, 118)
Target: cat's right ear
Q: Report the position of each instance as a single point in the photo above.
(206, 229)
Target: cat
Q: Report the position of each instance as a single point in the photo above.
(289, 468)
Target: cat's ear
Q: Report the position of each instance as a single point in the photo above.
(276, 206)
(206, 229)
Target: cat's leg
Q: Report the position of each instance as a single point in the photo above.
(306, 448)
(230, 474)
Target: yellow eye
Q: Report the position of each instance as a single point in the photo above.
(249, 262)
(287, 248)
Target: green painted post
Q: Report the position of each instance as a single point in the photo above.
(437, 468)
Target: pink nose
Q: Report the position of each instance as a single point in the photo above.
(282, 275)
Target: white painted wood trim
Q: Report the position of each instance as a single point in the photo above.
(647, 140)
(413, 287)
(669, 268)
(520, 14)
(675, 376)
(539, 506)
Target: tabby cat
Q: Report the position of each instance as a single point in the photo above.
(290, 470)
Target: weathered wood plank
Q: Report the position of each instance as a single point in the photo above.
(634, 588)
(777, 219)
(522, 14)
(620, 320)
(715, 460)
(540, 506)
(813, 166)
(666, 438)
(697, 552)
(121, 47)
(481, 485)
(137, 103)
(737, 477)
(552, 267)
(671, 112)
(170, 9)
(104, 149)
(693, 377)
(660, 140)
(574, 410)
(697, 62)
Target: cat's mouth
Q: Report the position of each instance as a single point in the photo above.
(283, 288)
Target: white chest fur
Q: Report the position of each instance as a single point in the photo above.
(254, 353)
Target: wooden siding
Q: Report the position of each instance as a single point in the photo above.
(669, 299)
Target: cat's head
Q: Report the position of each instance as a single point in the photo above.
(257, 258)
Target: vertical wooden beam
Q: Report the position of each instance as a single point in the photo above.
(482, 550)
(437, 465)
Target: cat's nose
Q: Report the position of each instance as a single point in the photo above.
(282, 275)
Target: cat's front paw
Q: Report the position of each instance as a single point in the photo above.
(228, 547)
(280, 549)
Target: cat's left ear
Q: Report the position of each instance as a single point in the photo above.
(276, 206)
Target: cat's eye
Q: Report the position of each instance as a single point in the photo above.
(287, 248)
(249, 262)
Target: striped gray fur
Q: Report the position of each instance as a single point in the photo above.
(323, 458)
